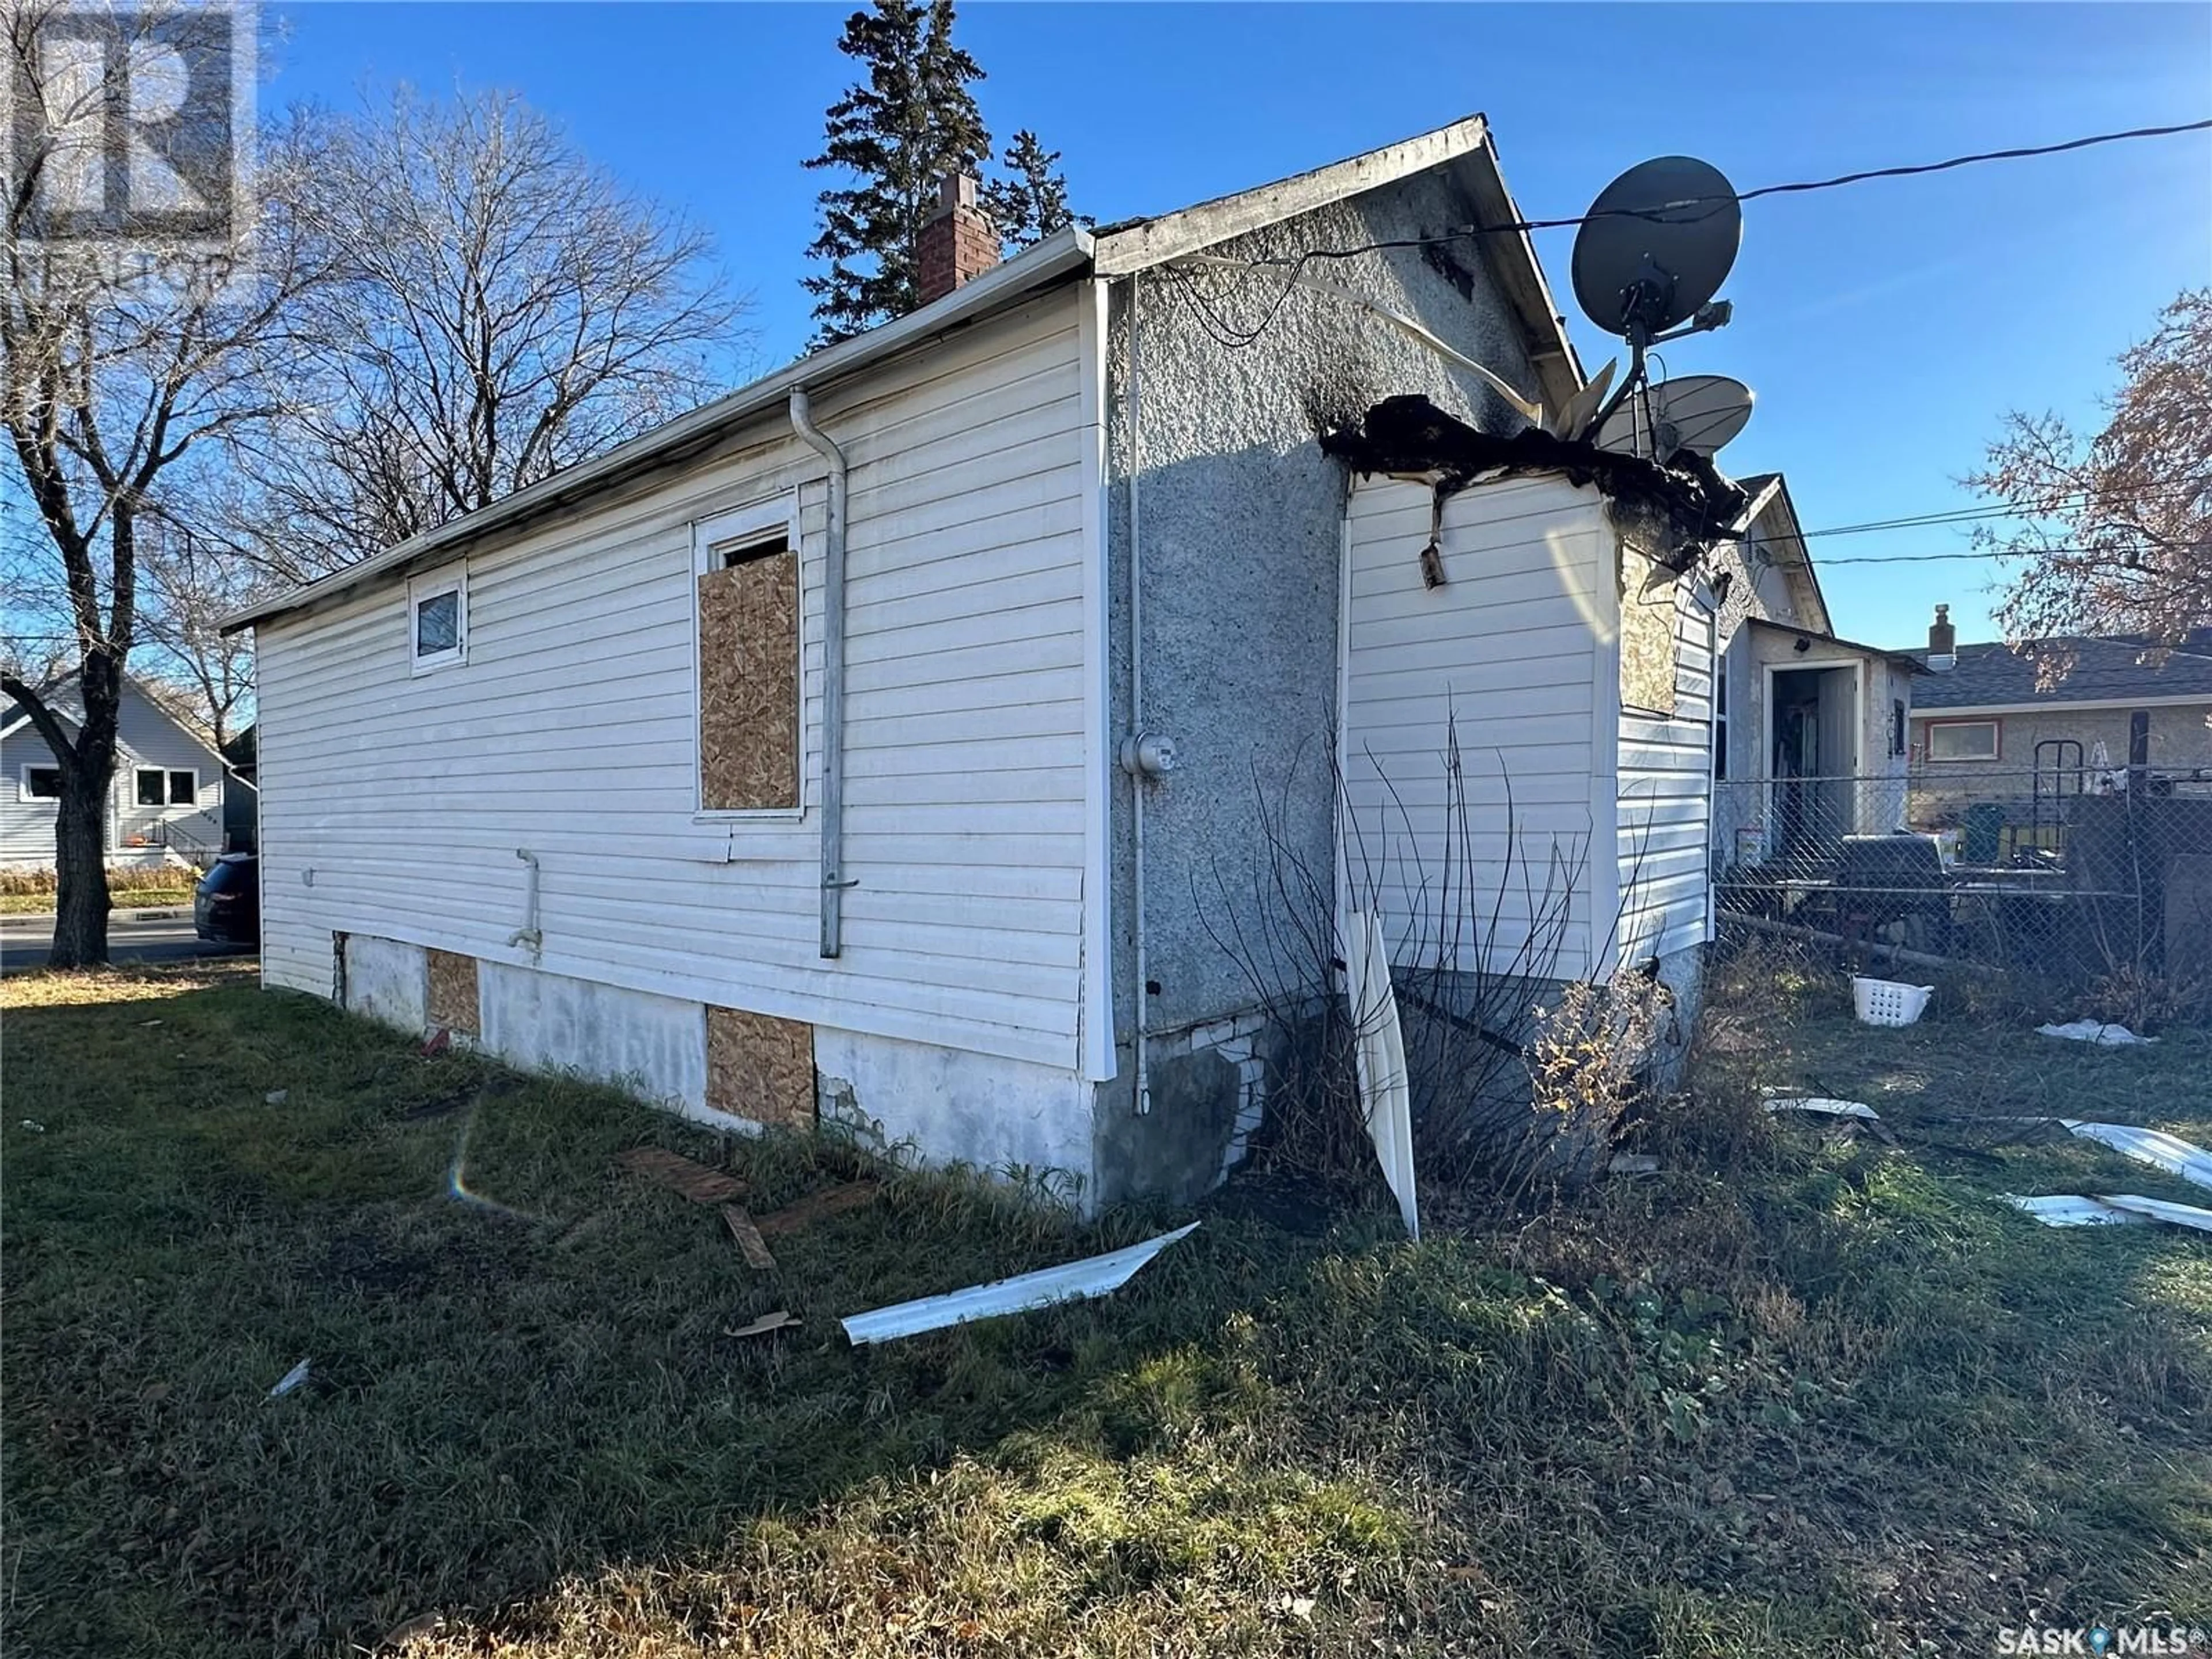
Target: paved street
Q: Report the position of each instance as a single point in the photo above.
(24, 944)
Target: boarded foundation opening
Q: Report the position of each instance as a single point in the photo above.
(749, 679)
(453, 999)
(760, 1067)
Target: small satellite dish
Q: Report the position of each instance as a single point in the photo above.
(1656, 245)
(1697, 413)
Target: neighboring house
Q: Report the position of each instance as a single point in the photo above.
(1809, 739)
(164, 806)
(1983, 726)
(897, 740)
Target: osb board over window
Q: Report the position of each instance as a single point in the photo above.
(453, 1003)
(759, 1067)
(749, 684)
(1647, 634)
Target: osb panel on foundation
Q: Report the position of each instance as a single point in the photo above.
(453, 1005)
(759, 1067)
(749, 684)
(1647, 634)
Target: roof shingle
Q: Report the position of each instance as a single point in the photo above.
(2104, 671)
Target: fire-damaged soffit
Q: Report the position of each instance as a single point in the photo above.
(1684, 504)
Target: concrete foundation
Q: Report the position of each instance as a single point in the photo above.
(387, 981)
(942, 1106)
(653, 1045)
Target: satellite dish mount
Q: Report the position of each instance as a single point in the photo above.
(1652, 251)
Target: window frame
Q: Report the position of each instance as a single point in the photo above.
(192, 787)
(737, 530)
(421, 590)
(138, 776)
(23, 790)
(1720, 721)
(1996, 742)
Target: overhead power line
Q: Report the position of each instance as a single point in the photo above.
(1229, 334)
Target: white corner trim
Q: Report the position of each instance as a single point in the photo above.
(1096, 1055)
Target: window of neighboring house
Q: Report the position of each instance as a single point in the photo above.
(153, 786)
(746, 571)
(40, 783)
(184, 788)
(438, 619)
(1962, 740)
(1898, 742)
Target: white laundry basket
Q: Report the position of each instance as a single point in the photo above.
(1885, 1002)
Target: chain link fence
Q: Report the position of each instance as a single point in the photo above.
(2070, 875)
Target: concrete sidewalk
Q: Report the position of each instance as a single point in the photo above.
(43, 920)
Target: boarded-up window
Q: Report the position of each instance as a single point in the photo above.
(1647, 633)
(760, 1068)
(749, 678)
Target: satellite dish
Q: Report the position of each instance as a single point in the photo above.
(1656, 245)
(1697, 413)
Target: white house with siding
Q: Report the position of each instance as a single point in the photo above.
(864, 746)
(164, 807)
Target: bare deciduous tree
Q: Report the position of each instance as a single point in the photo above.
(113, 371)
(187, 591)
(506, 309)
(2118, 540)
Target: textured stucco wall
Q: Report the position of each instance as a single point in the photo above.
(2180, 741)
(1241, 519)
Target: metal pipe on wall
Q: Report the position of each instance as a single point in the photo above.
(833, 678)
(1137, 710)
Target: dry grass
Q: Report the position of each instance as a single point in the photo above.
(1789, 1396)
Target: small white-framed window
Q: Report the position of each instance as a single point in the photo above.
(438, 620)
(745, 618)
(37, 782)
(1963, 740)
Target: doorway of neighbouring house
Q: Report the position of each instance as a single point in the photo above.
(1815, 763)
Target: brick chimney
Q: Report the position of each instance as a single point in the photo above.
(1943, 641)
(958, 244)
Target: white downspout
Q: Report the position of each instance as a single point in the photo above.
(530, 934)
(833, 680)
(1137, 709)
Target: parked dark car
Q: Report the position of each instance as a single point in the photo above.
(227, 903)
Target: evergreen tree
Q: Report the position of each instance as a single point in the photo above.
(911, 122)
(1030, 202)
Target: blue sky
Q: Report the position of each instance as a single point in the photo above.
(1884, 327)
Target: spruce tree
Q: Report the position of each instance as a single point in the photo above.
(909, 123)
(1030, 202)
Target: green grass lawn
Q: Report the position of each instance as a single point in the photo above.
(1795, 1394)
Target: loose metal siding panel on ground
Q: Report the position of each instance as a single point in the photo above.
(394, 803)
(1664, 773)
(1504, 653)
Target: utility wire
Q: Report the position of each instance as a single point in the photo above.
(1228, 334)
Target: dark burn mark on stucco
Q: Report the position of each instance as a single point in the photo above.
(1438, 256)
(1687, 497)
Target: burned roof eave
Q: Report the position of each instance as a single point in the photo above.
(1411, 435)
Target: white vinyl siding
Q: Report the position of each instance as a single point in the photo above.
(393, 804)
(1510, 650)
(1664, 774)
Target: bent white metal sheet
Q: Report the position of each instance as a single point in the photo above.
(2109, 1209)
(1385, 1096)
(2153, 1146)
(1071, 1281)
